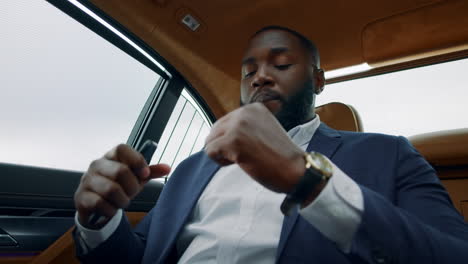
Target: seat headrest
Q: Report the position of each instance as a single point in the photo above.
(443, 148)
(340, 116)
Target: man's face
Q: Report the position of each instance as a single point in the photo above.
(278, 71)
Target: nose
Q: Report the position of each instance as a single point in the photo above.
(262, 79)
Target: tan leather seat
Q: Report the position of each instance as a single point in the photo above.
(340, 116)
(447, 151)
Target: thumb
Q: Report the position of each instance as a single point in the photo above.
(158, 171)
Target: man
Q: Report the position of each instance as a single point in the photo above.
(361, 198)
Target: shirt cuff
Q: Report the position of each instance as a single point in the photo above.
(337, 210)
(93, 238)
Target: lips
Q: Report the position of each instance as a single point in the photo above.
(272, 100)
(264, 97)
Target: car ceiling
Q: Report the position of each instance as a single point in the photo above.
(382, 33)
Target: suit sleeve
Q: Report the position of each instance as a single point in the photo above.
(125, 245)
(422, 226)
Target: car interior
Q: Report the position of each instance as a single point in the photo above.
(196, 47)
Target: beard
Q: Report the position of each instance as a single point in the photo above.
(295, 110)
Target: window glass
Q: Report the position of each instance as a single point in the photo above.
(67, 95)
(409, 102)
(184, 134)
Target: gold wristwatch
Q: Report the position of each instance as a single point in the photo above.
(317, 170)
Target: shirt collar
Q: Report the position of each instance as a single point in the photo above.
(302, 134)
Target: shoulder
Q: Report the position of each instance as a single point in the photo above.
(375, 142)
(370, 138)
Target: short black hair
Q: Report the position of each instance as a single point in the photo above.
(306, 43)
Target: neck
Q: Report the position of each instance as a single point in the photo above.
(309, 117)
(289, 125)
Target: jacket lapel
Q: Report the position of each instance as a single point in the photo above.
(325, 141)
(200, 179)
(184, 188)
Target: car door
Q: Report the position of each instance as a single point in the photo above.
(74, 84)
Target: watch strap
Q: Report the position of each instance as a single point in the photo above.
(311, 178)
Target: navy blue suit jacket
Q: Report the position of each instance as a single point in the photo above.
(408, 216)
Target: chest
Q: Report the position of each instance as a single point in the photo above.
(235, 215)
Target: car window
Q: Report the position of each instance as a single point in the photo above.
(408, 102)
(184, 134)
(67, 95)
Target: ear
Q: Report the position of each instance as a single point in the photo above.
(319, 78)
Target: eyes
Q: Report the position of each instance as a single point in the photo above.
(281, 67)
(249, 74)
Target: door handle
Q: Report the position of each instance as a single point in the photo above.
(6, 240)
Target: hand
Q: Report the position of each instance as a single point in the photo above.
(112, 181)
(252, 137)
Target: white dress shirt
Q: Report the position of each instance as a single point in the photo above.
(237, 220)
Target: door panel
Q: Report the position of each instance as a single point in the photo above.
(63, 250)
(37, 208)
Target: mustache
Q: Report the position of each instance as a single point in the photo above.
(265, 95)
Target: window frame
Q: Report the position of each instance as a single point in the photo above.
(163, 98)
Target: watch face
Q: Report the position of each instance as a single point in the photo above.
(320, 163)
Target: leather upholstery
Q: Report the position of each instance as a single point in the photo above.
(447, 152)
(443, 148)
(340, 117)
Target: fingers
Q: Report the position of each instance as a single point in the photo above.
(216, 131)
(117, 172)
(109, 191)
(91, 203)
(130, 157)
(112, 181)
(159, 170)
(222, 144)
(223, 150)
(236, 120)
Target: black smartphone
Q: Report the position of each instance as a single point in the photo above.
(148, 149)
